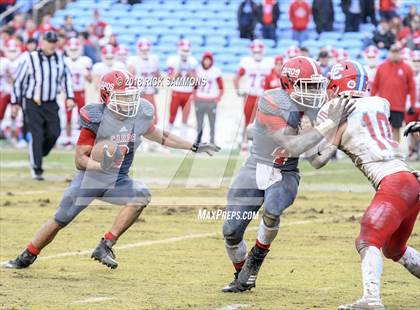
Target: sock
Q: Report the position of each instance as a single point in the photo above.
(266, 235)
(32, 249)
(110, 236)
(237, 253)
(238, 266)
(411, 261)
(371, 272)
(262, 246)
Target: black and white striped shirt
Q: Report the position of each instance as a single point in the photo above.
(39, 76)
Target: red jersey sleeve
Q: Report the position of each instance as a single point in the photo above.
(272, 122)
(86, 137)
(151, 129)
(241, 71)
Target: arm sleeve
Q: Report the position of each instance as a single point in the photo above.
(273, 123)
(411, 87)
(68, 86)
(375, 83)
(86, 137)
(22, 71)
(241, 71)
(219, 81)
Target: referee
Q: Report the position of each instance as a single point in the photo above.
(40, 77)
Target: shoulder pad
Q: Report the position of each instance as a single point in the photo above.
(275, 101)
(146, 109)
(91, 116)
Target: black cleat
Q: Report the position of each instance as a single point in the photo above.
(248, 275)
(232, 286)
(24, 260)
(104, 254)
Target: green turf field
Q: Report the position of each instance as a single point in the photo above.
(172, 260)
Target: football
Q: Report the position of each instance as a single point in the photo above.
(97, 151)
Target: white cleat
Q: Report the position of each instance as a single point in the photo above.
(364, 304)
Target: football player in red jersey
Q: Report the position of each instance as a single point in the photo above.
(389, 220)
(254, 68)
(81, 71)
(181, 68)
(122, 118)
(273, 80)
(270, 175)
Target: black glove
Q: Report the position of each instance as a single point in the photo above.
(208, 148)
(411, 111)
(412, 127)
(109, 161)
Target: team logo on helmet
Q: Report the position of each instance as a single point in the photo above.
(351, 84)
(118, 81)
(288, 71)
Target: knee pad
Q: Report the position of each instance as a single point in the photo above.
(232, 234)
(270, 220)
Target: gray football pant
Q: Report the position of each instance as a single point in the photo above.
(202, 109)
(244, 196)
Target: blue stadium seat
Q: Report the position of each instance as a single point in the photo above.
(352, 36)
(169, 39)
(214, 40)
(330, 36)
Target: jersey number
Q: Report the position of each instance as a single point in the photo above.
(384, 129)
(124, 151)
(253, 77)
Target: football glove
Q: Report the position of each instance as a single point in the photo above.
(109, 161)
(411, 111)
(412, 127)
(208, 148)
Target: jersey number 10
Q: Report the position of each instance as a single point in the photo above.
(384, 128)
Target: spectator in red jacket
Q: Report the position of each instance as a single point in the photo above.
(99, 25)
(273, 80)
(387, 9)
(394, 81)
(410, 36)
(268, 15)
(299, 14)
(46, 24)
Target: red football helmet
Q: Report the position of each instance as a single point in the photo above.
(292, 52)
(301, 77)
(13, 48)
(348, 78)
(121, 53)
(73, 48)
(257, 49)
(184, 48)
(119, 91)
(108, 53)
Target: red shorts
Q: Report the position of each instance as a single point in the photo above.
(4, 101)
(79, 99)
(182, 100)
(249, 108)
(151, 99)
(412, 118)
(390, 218)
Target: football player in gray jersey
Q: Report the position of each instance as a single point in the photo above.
(270, 175)
(123, 118)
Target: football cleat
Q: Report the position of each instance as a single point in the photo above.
(364, 304)
(24, 260)
(104, 254)
(232, 287)
(248, 275)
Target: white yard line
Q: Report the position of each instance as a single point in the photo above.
(234, 307)
(92, 300)
(154, 242)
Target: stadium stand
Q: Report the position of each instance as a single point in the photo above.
(210, 25)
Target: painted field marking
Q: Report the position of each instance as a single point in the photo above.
(154, 242)
(92, 300)
(234, 307)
